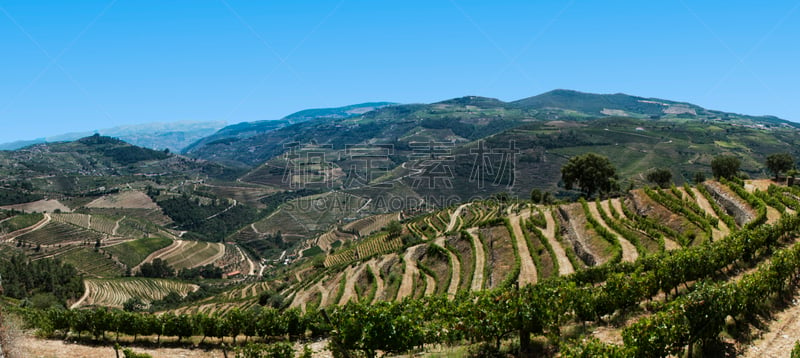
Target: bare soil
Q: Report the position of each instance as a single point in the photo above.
(723, 229)
(629, 253)
(480, 261)
(455, 266)
(501, 254)
(564, 265)
(411, 271)
(124, 200)
(40, 206)
(527, 272)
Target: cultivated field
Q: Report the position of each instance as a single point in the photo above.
(114, 292)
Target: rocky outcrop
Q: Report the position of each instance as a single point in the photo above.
(574, 234)
(742, 212)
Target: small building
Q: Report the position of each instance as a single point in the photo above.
(232, 274)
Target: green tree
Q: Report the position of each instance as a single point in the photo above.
(591, 173)
(660, 176)
(394, 228)
(541, 197)
(725, 166)
(699, 177)
(778, 163)
(134, 304)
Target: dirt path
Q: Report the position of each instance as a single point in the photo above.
(86, 292)
(454, 218)
(480, 261)
(324, 292)
(723, 229)
(353, 273)
(564, 265)
(34, 347)
(250, 262)
(116, 226)
(223, 211)
(176, 244)
(781, 334)
(669, 245)
(411, 271)
(527, 270)
(772, 215)
(380, 287)
(11, 236)
(430, 285)
(629, 253)
(455, 268)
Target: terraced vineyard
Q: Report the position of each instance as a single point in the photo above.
(644, 223)
(666, 266)
(190, 254)
(370, 224)
(132, 253)
(59, 233)
(92, 263)
(114, 292)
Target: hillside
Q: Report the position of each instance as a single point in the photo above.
(174, 136)
(414, 157)
(593, 275)
(237, 132)
(418, 211)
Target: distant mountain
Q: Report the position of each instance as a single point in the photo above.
(457, 120)
(174, 136)
(87, 163)
(620, 104)
(237, 132)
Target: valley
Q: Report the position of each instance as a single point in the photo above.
(419, 220)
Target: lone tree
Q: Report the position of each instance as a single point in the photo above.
(660, 176)
(725, 166)
(590, 172)
(778, 163)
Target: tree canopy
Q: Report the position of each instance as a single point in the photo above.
(660, 176)
(778, 163)
(590, 172)
(725, 166)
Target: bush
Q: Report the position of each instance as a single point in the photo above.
(259, 350)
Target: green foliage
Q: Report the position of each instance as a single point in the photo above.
(699, 177)
(313, 251)
(725, 166)
(778, 163)
(604, 233)
(394, 228)
(133, 304)
(131, 253)
(156, 269)
(11, 197)
(660, 176)
(207, 271)
(796, 350)
(213, 221)
(591, 173)
(260, 350)
(20, 222)
(721, 213)
(130, 353)
(23, 278)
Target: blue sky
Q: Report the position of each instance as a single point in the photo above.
(69, 66)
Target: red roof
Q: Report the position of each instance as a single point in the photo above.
(233, 273)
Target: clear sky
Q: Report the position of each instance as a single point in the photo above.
(69, 66)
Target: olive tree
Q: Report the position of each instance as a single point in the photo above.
(589, 172)
(778, 163)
